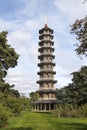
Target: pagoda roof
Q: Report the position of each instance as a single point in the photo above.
(45, 47)
(42, 36)
(47, 55)
(46, 81)
(46, 101)
(46, 63)
(45, 28)
(46, 71)
(46, 41)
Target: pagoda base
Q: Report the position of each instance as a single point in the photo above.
(43, 105)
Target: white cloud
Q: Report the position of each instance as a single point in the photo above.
(71, 8)
(22, 80)
(28, 8)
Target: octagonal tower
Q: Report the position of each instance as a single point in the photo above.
(46, 81)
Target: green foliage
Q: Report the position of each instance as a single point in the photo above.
(70, 110)
(8, 56)
(8, 59)
(14, 105)
(84, 110)
(45, 121)
(14, 93)
(34, 96)
(25, 103)
(4, 115)
(79, 28)
(76, 92)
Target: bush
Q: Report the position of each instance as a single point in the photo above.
(70, 110)
(4, 115)
(14, 105)
(84, 110)
(25, 103)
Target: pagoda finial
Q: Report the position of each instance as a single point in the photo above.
(46, 26)
(45, 20)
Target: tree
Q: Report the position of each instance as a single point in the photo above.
(33, 96)
(8, 59)
(80, 84)
(79, 28)
(75, 92)
(15, 93)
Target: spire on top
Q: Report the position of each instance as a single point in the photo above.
(45, 26)
(45, 20)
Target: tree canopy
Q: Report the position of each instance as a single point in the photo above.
(8, 59)
(79, 28)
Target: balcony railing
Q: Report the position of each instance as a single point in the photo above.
(47, 98)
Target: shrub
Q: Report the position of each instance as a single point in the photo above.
(84, 110)
(4, 115)
(13, 104)
(70, 110)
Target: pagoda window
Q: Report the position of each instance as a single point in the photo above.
(47, 32)
(45, 67)
(53, 95)
(44, 32)
(48, 37)
(40, 77)
(49, 95)
(50, 85)
(48, 44)
(45, 51)
(44, 44)
(45, 76)
(41, 68)
(44, 84)
(41, 96)
(47, 85)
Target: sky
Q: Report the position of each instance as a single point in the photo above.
(23, 19)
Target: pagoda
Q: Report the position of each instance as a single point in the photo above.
(47, 99)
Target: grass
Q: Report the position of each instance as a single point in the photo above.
(45, 121)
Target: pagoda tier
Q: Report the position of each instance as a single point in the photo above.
(45, 63)
(46, 30)
(46, 71)
(46, 80)
(46, 56)
(46, 43)
(46, 37)
(46, 48)
(46, 91)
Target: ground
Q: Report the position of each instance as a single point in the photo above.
(45, 121)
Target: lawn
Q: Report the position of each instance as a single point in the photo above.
(45, 121)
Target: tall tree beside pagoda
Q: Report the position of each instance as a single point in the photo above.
(79, 28)
(8, 59)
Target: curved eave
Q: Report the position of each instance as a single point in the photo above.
(42, 37)
(46, 55)
(46, 91)
(46, 81)
(45, 29)
(45, 35)
(46, 63)
(46, 71)
(41, 43)
(42, 48)
(46, 102)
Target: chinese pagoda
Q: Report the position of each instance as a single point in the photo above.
(47, 99)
